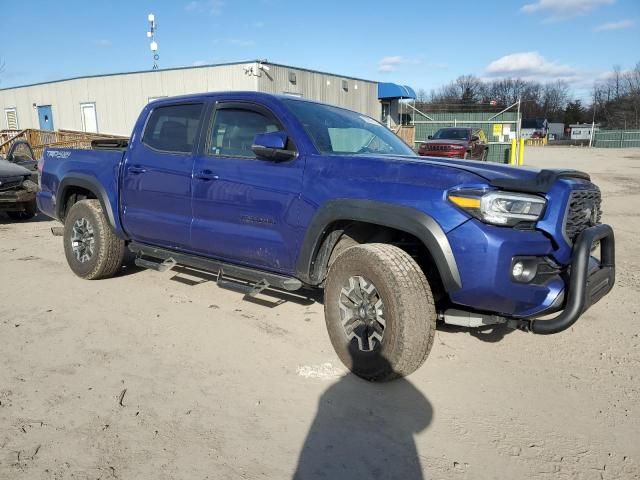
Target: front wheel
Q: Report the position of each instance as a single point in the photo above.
(379, 311)
(92, 249)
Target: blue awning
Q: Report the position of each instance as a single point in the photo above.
(393, 90)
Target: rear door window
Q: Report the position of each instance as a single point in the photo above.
(173, 128)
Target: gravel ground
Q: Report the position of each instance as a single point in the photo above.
(165, 376)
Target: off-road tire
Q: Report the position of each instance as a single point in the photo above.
(28, 213)
(109, 250)
(409, 311)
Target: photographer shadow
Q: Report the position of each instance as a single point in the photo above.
(365, 430)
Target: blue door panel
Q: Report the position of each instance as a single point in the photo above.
(45, 117)
(156, 197)
(248, 214)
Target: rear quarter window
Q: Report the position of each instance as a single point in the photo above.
(173, 128)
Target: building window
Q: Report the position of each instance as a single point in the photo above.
(11, 116)
(345, 85)
(89, 118)
(292, 78)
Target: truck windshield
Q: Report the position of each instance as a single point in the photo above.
(452, 134)
(336, 131)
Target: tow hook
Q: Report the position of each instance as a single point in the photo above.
(519, 324)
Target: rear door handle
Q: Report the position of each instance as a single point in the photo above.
(206, 175)
(136, 170)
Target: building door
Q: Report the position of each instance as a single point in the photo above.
(386, 110)
(45, 117)
(89, 120)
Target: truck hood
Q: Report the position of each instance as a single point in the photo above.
(519, 179)
(8, 169)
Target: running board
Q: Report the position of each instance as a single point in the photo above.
(162, 266)
(168, 259)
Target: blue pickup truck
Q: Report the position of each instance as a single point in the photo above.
(281, 192)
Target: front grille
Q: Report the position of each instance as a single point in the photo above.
(438, 147)
(7, 183)
(583, 212)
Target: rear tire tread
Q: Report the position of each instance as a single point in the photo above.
(110, 248)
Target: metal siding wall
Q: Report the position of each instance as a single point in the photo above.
(313, 85)
(119, 98)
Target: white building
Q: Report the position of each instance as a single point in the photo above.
(111, 103)
(582, 131)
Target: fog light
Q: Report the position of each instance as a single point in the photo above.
(524, 270)
(518, 270)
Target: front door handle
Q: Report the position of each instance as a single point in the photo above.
(206, 175)
(136, 170)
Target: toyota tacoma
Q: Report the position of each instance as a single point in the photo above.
(281, 192)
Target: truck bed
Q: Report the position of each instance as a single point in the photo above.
(96, 170)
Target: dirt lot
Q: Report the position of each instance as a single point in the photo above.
(166, 376)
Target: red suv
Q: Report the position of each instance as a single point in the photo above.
(456, 142)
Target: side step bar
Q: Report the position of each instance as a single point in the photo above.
(168, 259)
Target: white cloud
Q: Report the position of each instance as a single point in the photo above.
(258, 24)
(622, 24)
(214, 7)
(393, 62)
(236, 42)
(530, 66)
(104, 43)
(240, 42)
(563, 9)
(199, 63)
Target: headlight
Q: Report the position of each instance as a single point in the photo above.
(499, 208)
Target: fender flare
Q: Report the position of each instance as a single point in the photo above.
(88, 183)
(406, 219)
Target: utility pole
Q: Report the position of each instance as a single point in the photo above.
(593, 121)
(151, 35)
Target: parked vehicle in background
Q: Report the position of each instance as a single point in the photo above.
(456, 142)
(18, 182)
(283, 192)
(21, 154)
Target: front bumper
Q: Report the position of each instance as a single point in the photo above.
(586, 285)
(15, 199)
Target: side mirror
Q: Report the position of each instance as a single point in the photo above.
(475, 138)
(430, 137)
(272, 146)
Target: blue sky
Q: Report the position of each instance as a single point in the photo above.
(423, 44)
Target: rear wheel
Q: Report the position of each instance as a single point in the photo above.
(379, 311)
(92, 249)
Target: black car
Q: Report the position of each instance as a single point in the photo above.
(18, 182)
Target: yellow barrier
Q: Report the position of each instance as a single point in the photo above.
(521, 153)
(538, 142)
(512, 152)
